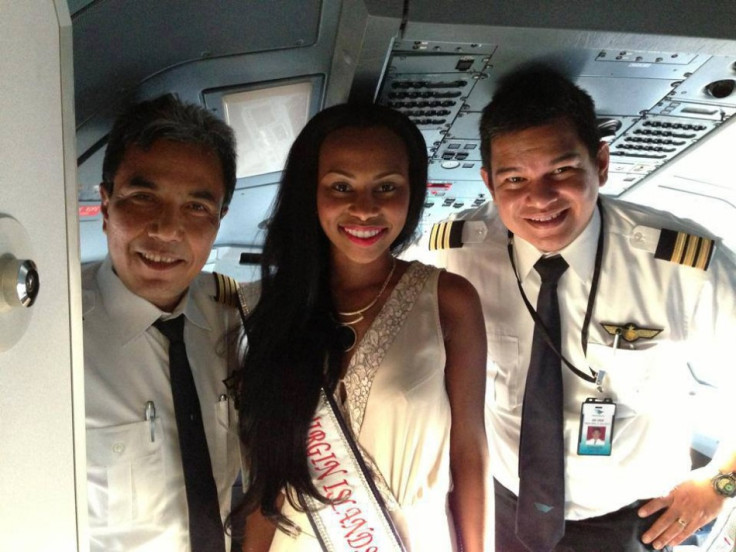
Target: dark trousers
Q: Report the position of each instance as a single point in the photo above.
(619, 531)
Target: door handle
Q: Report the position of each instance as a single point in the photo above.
(19, 282)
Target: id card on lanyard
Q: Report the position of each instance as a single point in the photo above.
(597, 413)
(596, 427)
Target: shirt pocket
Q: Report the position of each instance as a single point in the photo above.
(125, 475)
(503, 370)
(634, 377)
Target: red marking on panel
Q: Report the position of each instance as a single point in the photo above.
(89, 210)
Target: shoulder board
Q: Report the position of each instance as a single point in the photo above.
(685, 249)
(455, 233)
(226, 290)
(446, 235)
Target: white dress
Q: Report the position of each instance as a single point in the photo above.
(397, 404)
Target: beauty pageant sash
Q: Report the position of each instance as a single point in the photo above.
(357, 519)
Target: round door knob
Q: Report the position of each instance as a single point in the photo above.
(19, 282)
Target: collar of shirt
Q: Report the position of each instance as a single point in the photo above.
(579, 255)
(130, 315)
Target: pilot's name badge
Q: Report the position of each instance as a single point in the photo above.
(596, 427)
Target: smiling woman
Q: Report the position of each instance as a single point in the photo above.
(362, 191)
(408, 381)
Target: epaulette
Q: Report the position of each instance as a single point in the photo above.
(226, 290)
(452, 234)
(685, 249)
(446, 235)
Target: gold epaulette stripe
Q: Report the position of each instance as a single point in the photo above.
(685, 249)
(690, 250)
(679, 247)
(446, 235)
(226, 290)
(706, 249)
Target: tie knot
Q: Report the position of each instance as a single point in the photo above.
(551, 268)
(173, 329)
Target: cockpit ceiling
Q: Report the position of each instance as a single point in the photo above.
(119, 44)
(684, 18)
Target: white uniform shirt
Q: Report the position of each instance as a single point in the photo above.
(136, 492)
(695, 309)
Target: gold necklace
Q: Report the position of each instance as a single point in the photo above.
(358, 314)
(347, 334)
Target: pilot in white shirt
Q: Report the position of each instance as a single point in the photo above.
(135, 481)
(665, 297)
(168, 175)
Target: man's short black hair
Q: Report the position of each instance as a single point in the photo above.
(534, 96)
(168, 118)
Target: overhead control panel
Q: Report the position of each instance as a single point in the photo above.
(431, 82)
(652, 106)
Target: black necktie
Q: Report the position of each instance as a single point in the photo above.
(205, 526)
(540, 514)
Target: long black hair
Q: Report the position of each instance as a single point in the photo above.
(292, 350)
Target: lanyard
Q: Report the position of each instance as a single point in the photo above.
(593, 378)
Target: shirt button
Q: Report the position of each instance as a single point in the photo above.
(118, 448)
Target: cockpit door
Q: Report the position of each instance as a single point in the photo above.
(42, 473)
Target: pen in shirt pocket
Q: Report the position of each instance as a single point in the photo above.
(150, 414)
(223, 398)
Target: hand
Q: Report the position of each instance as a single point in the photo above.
(687, 508)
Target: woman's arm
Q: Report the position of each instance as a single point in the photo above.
(463, 328)
(259, 531)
